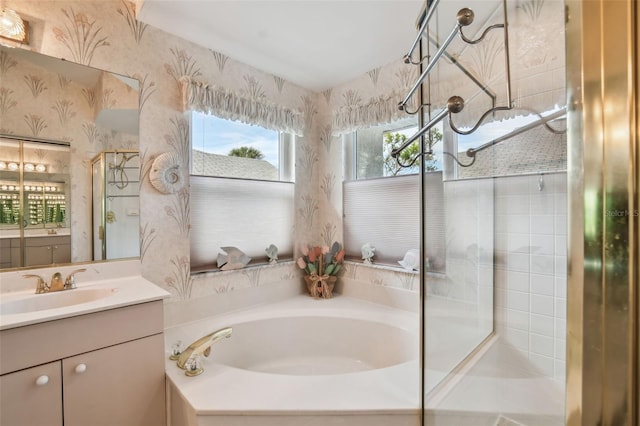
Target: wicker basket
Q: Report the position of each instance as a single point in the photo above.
(320, 287)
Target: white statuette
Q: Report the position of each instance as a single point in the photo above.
(165, 174)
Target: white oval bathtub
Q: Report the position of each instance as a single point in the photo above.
(301, 361)
(314, 345)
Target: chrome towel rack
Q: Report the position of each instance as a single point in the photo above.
(455, 104)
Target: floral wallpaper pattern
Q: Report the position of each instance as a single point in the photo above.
(106, 35)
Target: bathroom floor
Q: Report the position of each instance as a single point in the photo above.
(500, 389)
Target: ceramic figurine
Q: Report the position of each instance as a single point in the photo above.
(235, 259)
(368, 251)
(411, 260)
(272, 253)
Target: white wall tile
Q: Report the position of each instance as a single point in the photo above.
(517, 281)
(542, 203)
(560, 287)
(561, 266)
(560, 308)
(518, 262)
(542, 284)
(560, 224)
(542, 224)
(541, 264)
(500, 240)
(560, 328)
(560, 245)
(519, 300)
(518, 243)
(541, 345)
(517, 319)
(560, 349)
(560, 203)
(519, 223)
(542, 244)
(542, 324)
(543, 305)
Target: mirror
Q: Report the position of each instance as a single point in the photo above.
(52, 108)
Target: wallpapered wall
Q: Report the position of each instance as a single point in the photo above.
(105, 34)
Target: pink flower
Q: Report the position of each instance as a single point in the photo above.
(313, 255)
(301, 263)
(304, 249)
(325, 249)
(340, 256)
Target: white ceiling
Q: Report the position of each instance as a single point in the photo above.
(317, 44)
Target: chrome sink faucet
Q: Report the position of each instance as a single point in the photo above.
(56, 283)
(201, 346)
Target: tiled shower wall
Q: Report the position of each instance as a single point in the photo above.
(530, 268)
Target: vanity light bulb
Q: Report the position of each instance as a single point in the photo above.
(39, 188)
(29, 167)
(4, 187)
(13, 166)
(41, 168)
(3, 165)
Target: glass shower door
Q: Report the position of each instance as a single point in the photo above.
(116, 213)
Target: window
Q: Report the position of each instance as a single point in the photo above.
(371, 148)
(225, 148)
(382, 199)
(241, 191)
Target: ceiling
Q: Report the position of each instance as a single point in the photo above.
(317, 44)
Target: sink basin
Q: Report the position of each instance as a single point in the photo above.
(58, 299)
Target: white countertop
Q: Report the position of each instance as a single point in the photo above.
(29, 233)
(127, 287)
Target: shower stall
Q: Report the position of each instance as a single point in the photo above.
(500, 290)
(116, 212)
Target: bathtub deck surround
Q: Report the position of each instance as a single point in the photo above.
(360, 366)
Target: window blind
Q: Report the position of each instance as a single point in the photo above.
(247, 214)
(385, 212)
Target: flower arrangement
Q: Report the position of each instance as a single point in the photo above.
(321, 264)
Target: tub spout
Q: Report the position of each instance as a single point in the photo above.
(202, 346)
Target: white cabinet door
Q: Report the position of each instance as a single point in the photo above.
(32, 397)
(120, 385)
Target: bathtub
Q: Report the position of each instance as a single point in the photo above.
(301, 362)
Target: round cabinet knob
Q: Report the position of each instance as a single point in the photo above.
(42, 380)
(81, 368)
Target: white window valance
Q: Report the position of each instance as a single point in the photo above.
(379, 110)
(225, 103)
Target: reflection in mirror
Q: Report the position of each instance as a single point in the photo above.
(45, 103)
(115, 204)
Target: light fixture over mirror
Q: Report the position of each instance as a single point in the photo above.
(12, 26)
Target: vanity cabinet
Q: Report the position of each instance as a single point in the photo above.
(104, 368)
(47, 250)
